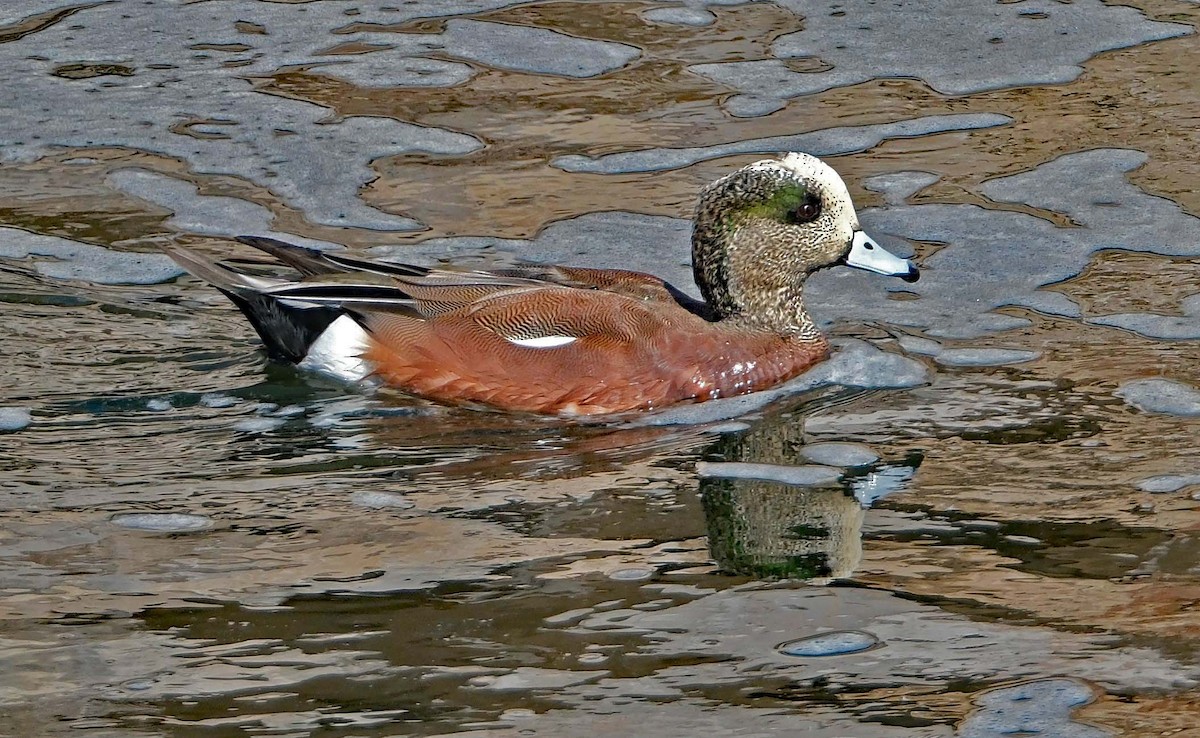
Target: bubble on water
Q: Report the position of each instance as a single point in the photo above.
(631, 574)
(1161, 396)
(835, 643)
(14, 418)
(162, 522)
(840, 454)
(1168, 483)
(158, 404)
(139, 685)
(808, 475)
(382, 500)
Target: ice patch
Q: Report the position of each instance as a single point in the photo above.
(1168, 483)
(218, 400)
(681, 16)
(1161, 396)
(86, 262)
(258, 425)
(1040, 707)
(809, 475)
(632, 574)
(205, 107)
(880, 483)
(835, 643)
(536, 50)
(840, 454)
(825, 142)
(382, 501)
(1153, 325)
(984, 46)
(162, 522)
(14, 419)
(984, 356)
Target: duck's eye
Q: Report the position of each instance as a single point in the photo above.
(805, 212)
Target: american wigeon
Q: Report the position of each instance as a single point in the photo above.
(569, 340)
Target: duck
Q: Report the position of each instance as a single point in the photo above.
(574, 341)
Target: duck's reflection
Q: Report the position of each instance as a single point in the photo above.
(808, 527)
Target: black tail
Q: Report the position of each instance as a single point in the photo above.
(287, 327)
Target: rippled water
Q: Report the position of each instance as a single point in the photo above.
(978, 519)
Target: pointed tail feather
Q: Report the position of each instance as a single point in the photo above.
(309, 262)
(312, 262)
(287, 328)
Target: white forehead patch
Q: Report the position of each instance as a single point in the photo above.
(811, 169)
(805, 166)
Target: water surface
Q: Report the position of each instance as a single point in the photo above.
(980, 517)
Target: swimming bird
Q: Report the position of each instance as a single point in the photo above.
(571, 340)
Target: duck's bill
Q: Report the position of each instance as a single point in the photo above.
(866, 254)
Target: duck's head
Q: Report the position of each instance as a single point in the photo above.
(760, 231)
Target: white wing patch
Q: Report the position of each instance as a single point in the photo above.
(337, 352)
(542, 342)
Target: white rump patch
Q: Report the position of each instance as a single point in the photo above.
(542, 342)
(337, 352)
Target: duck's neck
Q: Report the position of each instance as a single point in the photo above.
(741, 287)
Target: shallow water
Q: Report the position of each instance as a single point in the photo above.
(978, 519)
